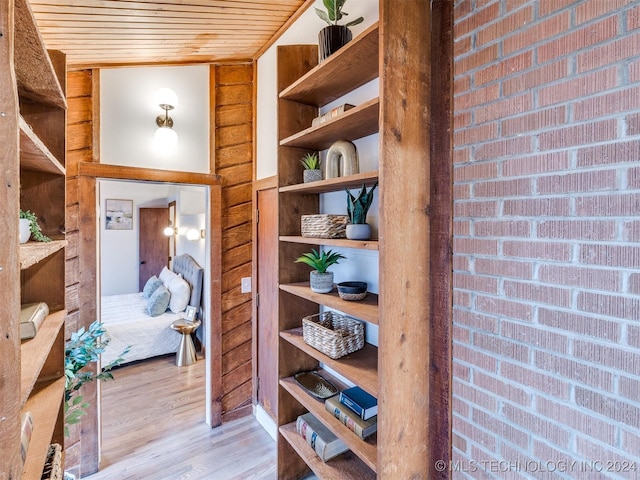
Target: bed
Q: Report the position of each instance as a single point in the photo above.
(128, 324)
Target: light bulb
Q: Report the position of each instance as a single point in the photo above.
(166, 96)
(165, 139)
(168, 231)
(193, 234)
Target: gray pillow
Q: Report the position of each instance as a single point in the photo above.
(152, 284)
(158, 302)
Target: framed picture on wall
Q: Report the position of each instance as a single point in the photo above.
(190, 313)
(119, 214)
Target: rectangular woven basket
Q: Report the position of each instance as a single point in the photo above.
(333, 334)
(324, 226)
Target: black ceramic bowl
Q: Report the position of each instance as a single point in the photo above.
(352, 290)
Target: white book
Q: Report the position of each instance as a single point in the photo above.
(320, 438)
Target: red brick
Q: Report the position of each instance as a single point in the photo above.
(475, 246)
(462, 155)
(470, 431)
(560, 252)
(633, 178)
(504, 268)
(461, 85)
(589, 35)
(618, 410)
(461, 227)
(502, 228)
(578, 135)
(501, 348)
(476, 321)
(504, 430)
(475, 209)
(505, 108)
(545, 8)
(610, 153)
(536, 425)
(538, 293)
(609, 356)
(631, 231)
(505, 308)
(608, 205)
(535, 336)
(532, 34)
(631, 441)
(505, 68)
(610, 305)
(591, 9)
(609, 53)
(578, 182)
(578, 420)
(535, 380)
(590, 278)
(539, 120)
(503, 188)
(634, 71)
(506, 390)
(575, 371)
(507, 23)
(475, 283)
(462, 192)
(478, 17)
(513, 4)
(601, 230)
(462, 299)
(474, 395)
(535, 164)
(475, 171)
(474, 135)
(610, 255)
(537, 207)
(461, 120)
(633, 18)
(462, 372)
(460, 334)
(579, 87)
(462, 9)
(582, 324)
(477, 97)
(475, 358)
(611, 460)
(458, 443)
(461, 264)
(504, 148)
(608, 104)
(462, 46)
(535, 77)
(629, 387)
(506, 464)
(460, 408)
(633, 335)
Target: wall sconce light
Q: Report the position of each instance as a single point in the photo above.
(170, 231)
(194, 235)
(166, 137)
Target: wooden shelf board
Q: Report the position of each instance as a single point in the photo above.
(333, 242)
(343, 467)
(366, 309)
(33, 252)
(34, 154)
(34, 352)
(334, 184)
(351, 125)
(44, 404)
(335, 76)
(360, 367)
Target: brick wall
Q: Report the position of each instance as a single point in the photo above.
(546, 339)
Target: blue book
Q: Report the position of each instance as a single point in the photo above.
(360, 402)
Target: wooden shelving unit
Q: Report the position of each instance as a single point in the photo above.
(33, 370)
(301, 94)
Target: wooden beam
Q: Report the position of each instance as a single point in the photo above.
(101, 170)
(214, 347)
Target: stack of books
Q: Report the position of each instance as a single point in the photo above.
(355, 409)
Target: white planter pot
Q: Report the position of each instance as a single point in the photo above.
(25, 230)
(321, 282)
(311, 176)
(361, 231)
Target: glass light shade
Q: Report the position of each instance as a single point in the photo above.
(166, 139)
(166, 96)
(193, 234)
(168, 231)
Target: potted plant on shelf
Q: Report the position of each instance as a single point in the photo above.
(321, 281)
(312, 171)
(29, 227)
(333, 37)
(357, 208)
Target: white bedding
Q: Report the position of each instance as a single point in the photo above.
(127, 324)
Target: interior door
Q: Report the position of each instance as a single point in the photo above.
(153, 247)
(267, 310)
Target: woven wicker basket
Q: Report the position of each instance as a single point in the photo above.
(333, 334)
(324, 226)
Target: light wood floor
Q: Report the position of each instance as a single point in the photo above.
(153, 428)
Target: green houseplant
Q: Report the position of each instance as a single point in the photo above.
(311, 164)
(320, 280)
(34, 227)
(357, 208)
(333, 37)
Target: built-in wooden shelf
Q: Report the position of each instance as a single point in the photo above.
(366, 309)
(358, 122)
(335, 76)
(334, 184)
(360, 367)
(35, 75)
(33, 252)
(344, 467)
(44, 404)
(35, 352)
(333, 242)
(34, 154)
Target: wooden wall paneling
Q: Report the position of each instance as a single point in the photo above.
(237, 236)
(236, 195)
(236, 337)
(95, 119)
(233, 277)
(234, 154)
(213, 357)
(404, 334)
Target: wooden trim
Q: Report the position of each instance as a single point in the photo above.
(100, 170)
(405, 189)
(254, 120)
(265, 183)
(292, 19)
(212, 118)
(95, 116)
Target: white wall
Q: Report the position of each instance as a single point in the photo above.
(128, 111)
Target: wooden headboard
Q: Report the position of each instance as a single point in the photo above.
(193, 274)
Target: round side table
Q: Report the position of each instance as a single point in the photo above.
(186, 354)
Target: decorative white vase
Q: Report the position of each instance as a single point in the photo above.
(25, 230)
(358, 231)
(321, 282)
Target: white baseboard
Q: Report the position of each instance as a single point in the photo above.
(265, 421)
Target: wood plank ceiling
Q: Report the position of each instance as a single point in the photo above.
(98, 33)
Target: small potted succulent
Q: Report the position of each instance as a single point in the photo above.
(333, 37)
(321, 281)
(357, 208)
(311, 164)
(29, 227)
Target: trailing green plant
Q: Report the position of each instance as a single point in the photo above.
(82, 349)
(358, 206)
(34, 227)
(334, 13)
(311, 161)
(320, 261)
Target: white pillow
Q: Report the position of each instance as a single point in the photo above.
(166, 276)
(180, 294)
